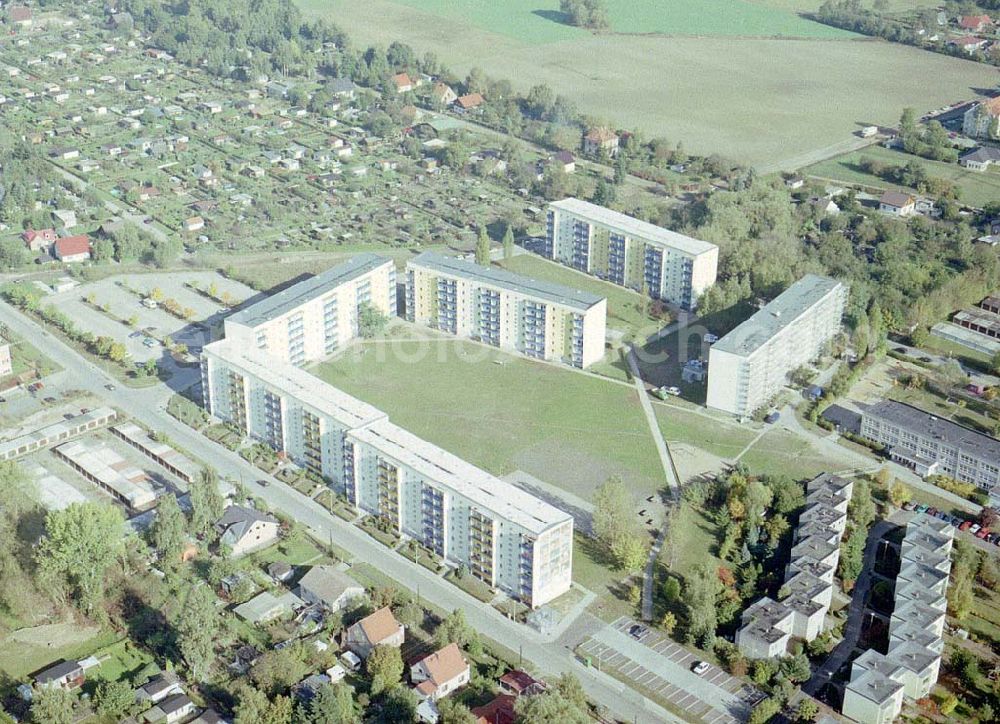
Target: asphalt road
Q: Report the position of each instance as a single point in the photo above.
(149, 407)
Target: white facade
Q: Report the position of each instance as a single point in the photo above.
(629, 252)
(507, 538)
(316, 317)
(539, 319)
(6, 362)
(912, 664)
(751, 364)
(808, 590)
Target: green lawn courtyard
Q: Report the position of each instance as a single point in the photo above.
(505, 413)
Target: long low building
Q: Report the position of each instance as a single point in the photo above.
(507, 538)
(536, 318)
(175, 462)
(630, 252)
(56, 432)
(751, 364)
(910, 667)
(930, 445)
(104, 467)
(768, 625)
(312, 319)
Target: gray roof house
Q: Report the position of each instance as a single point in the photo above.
(244, 529)
(328, 587)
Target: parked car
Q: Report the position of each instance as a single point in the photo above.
(109, 387)
(637, 631)
(975, 528)
(932, 511)
(263, 483)
(966, 525)
(982, 532)
(908, 505)
(772, 417)
(675, 391)
(700, 667)
(921, 508)
(709, 338)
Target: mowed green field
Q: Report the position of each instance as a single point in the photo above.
(758, 100)
(976, 188)
(541, 22)
(563, 427)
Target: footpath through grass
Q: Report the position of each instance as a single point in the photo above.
(504, 413)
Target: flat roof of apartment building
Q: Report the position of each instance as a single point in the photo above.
(491, 276)
(277, 305)
(631, 226)
(478, 486)
(776, 315)
(348, 411)
(926, 425)
(875, 687)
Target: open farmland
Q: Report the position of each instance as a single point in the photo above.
(754, 99)
(563, 427)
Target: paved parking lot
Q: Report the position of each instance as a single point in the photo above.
(663, 668)
(123, 304)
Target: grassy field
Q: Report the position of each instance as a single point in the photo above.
(754, 99)
(723, 439)
(783, 453)
(525, 21)
(976, 188)
(624, 306)
(566, 428)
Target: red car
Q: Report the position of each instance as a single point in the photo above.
(983, 532)
(966, 525)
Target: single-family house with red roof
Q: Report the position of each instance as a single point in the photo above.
(71, 249)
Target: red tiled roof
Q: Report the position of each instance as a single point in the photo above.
(498, 711)
(472, 100)
(72, 245)
(402, 80)
(972, 22)
(31, 234)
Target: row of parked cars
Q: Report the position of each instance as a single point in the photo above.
(963, 524)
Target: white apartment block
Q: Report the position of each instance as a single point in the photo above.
(750, 365)
(506, 537)
(6, 361)
(769, 625)
(513, 312)
(910, 668)
(314, 318)
(629, 252)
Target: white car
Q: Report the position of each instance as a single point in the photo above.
(709, 338)
(675, 391)
(700, 668)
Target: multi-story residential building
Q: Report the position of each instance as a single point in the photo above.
(539, 319)
(910, 667)
(806, 596)
(623, 250)
(6, 361)
(314, 318)
(982, 120)
(509, 539)
(750, 365)
(930, 445)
